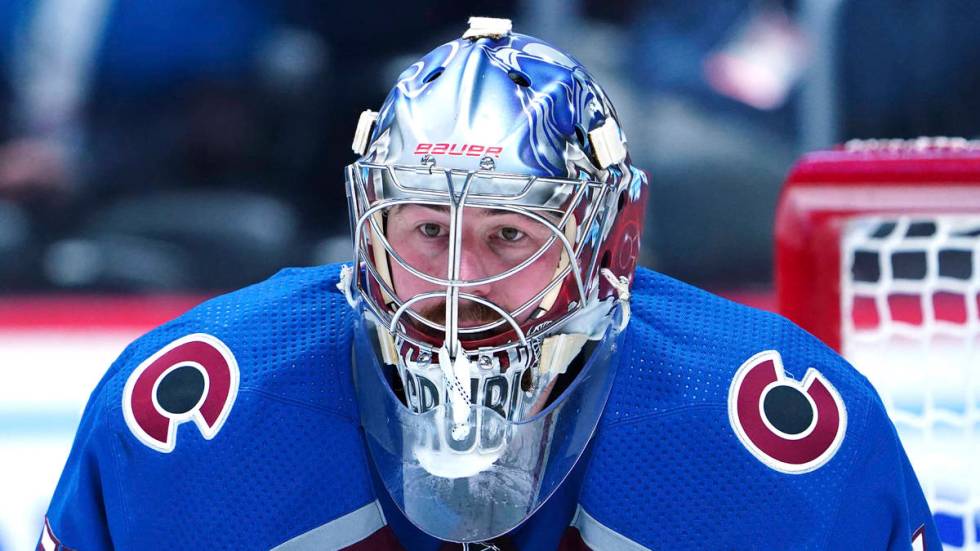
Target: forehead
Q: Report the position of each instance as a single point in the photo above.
(410, 210)
(443, 209)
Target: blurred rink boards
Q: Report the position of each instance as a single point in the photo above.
(53, 351)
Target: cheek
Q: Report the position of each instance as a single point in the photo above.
(405, 283)
(523, 285)
(417, 253)
(544, 269)
(407, 286)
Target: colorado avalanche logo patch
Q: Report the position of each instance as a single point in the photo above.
(194, 378)
(793, 427)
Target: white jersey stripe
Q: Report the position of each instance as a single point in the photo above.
(340, 532)
(599, 536)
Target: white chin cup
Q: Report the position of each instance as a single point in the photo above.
(444, 462)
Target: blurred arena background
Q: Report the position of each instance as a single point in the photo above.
(153, 154)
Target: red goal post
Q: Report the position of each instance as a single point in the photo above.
(878, 254)
(827, 189)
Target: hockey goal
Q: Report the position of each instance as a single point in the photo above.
(878, 254)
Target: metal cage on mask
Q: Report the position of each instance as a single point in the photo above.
(475, 460)
(374, 189)
(517, 339)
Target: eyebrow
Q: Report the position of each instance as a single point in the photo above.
(438, 208)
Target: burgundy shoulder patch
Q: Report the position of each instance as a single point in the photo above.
(194, 378)
(382, 540)
(919, 539)
(791, 426)
(50, 542)
(572, 541)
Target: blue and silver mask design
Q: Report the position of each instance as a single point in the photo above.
(532, 107)
(510, 124)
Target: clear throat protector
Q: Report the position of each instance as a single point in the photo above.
(473, 467)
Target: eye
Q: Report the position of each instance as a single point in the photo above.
(510, 234)
(430, 229)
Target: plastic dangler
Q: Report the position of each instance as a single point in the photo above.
(622, 286)
(346, 284)
(457, 374)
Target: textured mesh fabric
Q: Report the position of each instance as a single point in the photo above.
(285, 332)
(684, 345)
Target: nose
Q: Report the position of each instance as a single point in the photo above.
(473, 264)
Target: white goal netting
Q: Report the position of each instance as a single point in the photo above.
(910, 287)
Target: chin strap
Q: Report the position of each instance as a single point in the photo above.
(457, 375)
(622, 286)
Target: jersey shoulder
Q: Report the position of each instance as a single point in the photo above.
(227, 359)
(282, 336)
(725, 404)
(244, 403)
(686, 346)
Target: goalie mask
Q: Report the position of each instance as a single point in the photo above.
(496, 221)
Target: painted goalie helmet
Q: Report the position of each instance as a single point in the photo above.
(496, 221)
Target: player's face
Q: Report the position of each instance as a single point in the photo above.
(493, 241)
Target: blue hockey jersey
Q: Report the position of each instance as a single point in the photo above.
(235, 426)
